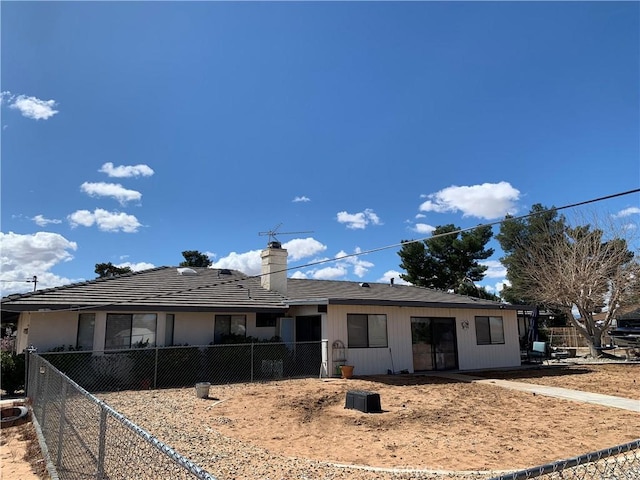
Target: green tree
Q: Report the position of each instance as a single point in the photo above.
(449, 260)
(517, 238)
(587, 269)
(12, 372)
(110, 270)
(194, 258)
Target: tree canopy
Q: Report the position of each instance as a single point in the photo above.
(586, 268)
(110, 270)
(449, 260)
(194, 258)
(517, 238)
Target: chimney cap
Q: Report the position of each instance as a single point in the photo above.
(274, 244)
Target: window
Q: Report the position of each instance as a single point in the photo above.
(169, 326)
(366, 331)
(266, 319)
(126, 330)
(489, 330)
(228, 325)
(86, 326)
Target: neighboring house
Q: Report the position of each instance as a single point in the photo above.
(375, 327)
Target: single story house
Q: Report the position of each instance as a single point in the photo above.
(375, 327)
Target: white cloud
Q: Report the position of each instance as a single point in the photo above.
(248, 263)
(488, 201)
(32, 107)
(423, 228)
(106, 221)
(420, 215)
(338, 267)
(115, 190)
(497, 287)
(6, 94)
(301, 199)
(330, 273)
(627, 212)
(389, 274)
(496, 269)
(300, 248)
(125, 171)
(42, 221)
(23, 256)
(360, 266)
(359, 221)
(136, 267)
(298, 274)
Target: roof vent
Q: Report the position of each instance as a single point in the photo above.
(225, 271)
(365, 285)
(187, 271)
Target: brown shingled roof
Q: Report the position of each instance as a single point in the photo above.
(219, 290)
(162, 287)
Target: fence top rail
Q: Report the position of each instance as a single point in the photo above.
(571, 462)
(156, 442)
(173, 347)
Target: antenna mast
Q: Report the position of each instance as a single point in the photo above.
(34, 280)
(273, 241)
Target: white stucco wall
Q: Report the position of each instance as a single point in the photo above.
(47, 330)
(399, 354)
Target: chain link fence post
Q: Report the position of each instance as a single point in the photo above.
(63, 406)
(102, 441)
(252, 355)
(155, 370)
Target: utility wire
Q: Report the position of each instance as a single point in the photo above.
(455, 232)
(357, 254)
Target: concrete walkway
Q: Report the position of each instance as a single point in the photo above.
(564, 393)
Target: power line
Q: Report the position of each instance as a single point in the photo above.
(366, 252)
(456, 232)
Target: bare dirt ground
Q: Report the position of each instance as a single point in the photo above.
(300, 428)
(607, 379)
(20, 455)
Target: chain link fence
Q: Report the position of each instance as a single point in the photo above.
(175, 367)
(86, 439)
(615, 463)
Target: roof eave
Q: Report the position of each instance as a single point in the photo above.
(413, 303)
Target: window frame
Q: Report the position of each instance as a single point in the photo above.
(169, 333)
(489, 331)
(367, 325)
(132, 318)
(267, 319)
(218, 337)
(91, 318)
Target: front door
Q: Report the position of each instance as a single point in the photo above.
(434, 343)
(308, 328)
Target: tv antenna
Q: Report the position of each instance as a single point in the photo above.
(274, 231)
(34, 280)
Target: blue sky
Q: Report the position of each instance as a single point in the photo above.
(134, 131)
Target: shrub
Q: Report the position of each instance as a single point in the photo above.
(12, 372)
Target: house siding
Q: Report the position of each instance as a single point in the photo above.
(398, 355)
(51, 329)
(47, 330)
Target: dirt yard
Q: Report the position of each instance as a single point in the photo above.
(428, 423)
(20, 455)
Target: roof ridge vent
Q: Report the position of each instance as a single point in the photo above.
(186, 271)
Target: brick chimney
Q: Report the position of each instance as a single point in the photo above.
(274, 268)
